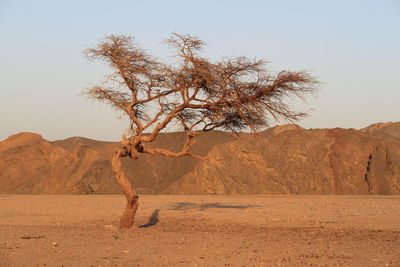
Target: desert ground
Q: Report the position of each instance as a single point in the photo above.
(76, 230)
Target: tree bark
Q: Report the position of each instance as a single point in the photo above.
(126, 187)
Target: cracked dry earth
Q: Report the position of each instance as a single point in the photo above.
(201, 231)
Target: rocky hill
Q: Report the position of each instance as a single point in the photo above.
(282, 160)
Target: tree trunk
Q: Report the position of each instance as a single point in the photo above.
(126, 187)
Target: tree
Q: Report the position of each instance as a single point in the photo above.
(233, 94)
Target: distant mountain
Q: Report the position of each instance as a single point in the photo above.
(386, 129)
(285, 159)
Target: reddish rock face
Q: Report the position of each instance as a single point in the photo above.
(282, 160)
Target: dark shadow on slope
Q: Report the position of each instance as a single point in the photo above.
(206, 206)
(153, 220)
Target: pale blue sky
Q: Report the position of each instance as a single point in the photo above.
(353, 47)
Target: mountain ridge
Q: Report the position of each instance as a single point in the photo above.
(285, 159)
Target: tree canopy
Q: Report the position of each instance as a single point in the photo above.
(232, 94)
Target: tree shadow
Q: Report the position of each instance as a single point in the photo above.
(206, 206)
(153, 220)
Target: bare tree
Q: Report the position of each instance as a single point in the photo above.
(233, 94)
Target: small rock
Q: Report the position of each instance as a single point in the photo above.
(110, 227)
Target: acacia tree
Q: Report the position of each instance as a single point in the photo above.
(232, 94)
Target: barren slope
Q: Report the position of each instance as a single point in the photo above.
(282, 160)
(298, 161)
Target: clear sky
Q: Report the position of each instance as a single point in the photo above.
(353, 47)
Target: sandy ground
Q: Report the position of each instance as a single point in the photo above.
(201, 231)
